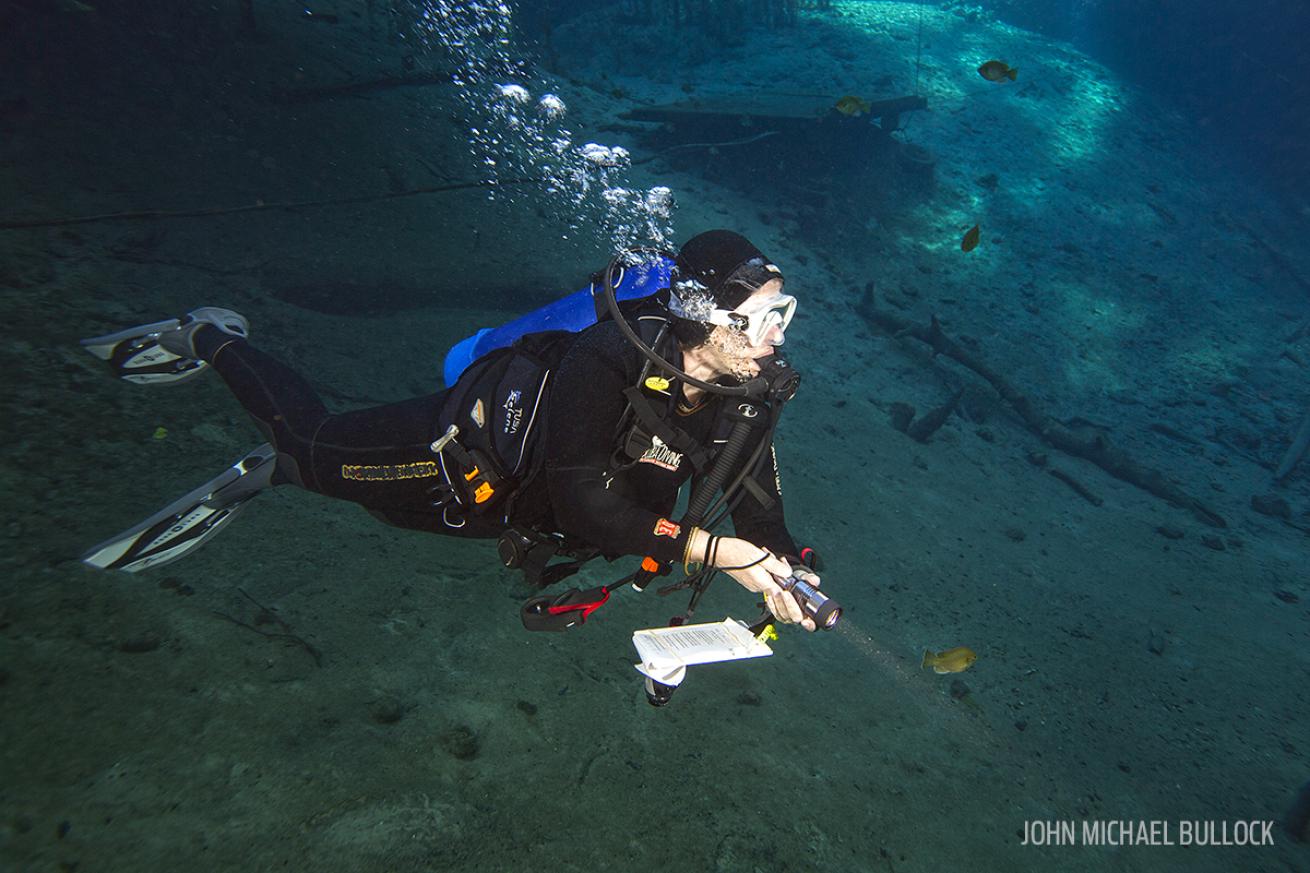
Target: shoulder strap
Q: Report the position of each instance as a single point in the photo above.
(675, 438)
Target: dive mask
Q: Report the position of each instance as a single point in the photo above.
(756, 320)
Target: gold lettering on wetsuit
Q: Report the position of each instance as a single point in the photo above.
(390, 472)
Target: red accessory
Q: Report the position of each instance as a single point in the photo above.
(666, 528)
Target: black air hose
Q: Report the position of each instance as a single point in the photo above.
(724, 464)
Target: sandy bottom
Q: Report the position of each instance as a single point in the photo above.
(1134, 663)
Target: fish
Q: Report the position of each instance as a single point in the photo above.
(852, 105)
(998, 71)
(955, 660)
(970, 241)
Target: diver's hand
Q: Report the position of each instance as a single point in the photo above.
(761, 577)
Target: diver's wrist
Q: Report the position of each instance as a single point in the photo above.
(697, 546)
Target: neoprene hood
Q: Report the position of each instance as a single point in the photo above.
(712, 258)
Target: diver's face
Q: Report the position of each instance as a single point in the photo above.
(731, 352)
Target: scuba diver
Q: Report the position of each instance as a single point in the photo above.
(559, 444)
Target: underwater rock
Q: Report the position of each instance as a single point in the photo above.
(1169, 532)
(387, 710)
(959, 689)
(146, 642)
(1271, 505)
(1210, 541)
(527, 708)
(1155, 642)
(460, 742)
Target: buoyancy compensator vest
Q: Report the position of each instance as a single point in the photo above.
(573, 313)
(488, 435)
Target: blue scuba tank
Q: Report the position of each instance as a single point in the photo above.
(572, 313)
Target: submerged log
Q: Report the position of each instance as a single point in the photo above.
(1078, 487)
(1295, 451)
(765, 109)
(922, 428)
(1097, 449)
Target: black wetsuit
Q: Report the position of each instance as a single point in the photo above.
(381, 457)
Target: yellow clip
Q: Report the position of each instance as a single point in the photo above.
(658, 383)
(767, 634)
(483, 494)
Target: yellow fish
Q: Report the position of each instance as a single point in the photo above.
(955, 660)
(852, 105)
(970, 241)
(998, 71)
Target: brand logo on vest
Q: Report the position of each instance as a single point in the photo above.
(661, 455)
(513, 412)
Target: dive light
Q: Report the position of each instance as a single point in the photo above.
(825, 611)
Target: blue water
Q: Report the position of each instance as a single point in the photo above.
(1071, 441)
